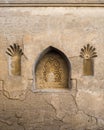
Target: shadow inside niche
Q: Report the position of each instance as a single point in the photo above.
(52, 70)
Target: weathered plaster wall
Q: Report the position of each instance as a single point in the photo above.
(68, 29)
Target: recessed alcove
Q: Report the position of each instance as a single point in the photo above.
(52, 70)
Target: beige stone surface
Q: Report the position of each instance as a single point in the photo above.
(51, 1)
(22, 106)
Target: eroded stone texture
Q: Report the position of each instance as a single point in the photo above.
(79, 108)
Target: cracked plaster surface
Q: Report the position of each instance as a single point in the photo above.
(68, 29)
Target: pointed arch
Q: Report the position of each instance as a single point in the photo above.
(52, 70)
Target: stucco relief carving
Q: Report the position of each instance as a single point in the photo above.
(15, 53)
(88, 53)
(52, 71)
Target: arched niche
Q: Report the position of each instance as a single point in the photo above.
(52, 70)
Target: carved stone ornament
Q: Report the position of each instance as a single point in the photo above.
(88, 53)
(15, 53)
(52, 70)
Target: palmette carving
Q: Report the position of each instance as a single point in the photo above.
(15, 53)
(88, 53)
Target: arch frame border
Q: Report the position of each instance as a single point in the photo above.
(49, 48)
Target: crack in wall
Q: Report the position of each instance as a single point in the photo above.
(78, 110)
(6, 122)
(18, 116)
(8, 96)
(50, 104)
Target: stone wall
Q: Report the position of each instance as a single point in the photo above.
(52, 1)
(22, 107)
